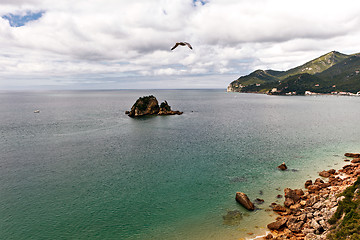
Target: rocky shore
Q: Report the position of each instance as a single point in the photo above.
(305, 214)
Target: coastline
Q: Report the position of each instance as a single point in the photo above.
(340, 94)
(306, 212)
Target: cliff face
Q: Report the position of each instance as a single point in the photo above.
(149, 106)
(230, 88)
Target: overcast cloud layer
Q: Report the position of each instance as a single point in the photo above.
(126, 44)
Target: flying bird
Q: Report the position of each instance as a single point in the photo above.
(182, 44)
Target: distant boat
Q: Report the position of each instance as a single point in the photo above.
(37, 111)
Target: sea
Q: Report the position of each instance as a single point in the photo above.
(82, 169)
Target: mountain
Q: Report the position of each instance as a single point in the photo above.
(317, 65)
(331, 72)
(345, 75)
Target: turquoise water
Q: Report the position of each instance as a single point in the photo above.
(82, 169)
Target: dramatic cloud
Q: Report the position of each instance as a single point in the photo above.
(126, 44)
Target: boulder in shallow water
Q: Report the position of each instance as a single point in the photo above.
(328, 173)
(308, 183)
(278, 224)
(282, 166)
(324, 173)
(259, 201)
(243, 199)
(356, 160)
(353, 155)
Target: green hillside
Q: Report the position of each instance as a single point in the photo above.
(345, 75)
(317, 65)
(333, 71)
(257, 77)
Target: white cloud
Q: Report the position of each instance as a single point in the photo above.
(115, 40)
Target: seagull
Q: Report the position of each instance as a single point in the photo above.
(182, 44)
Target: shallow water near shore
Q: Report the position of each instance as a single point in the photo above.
(82, 169)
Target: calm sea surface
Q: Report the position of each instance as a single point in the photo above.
(82, 169)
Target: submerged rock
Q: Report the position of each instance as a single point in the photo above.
(238, 179)
(259, 201)
(243, 199)
(232, 218)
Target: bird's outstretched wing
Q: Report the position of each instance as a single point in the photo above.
(177, 44)
(188, 44)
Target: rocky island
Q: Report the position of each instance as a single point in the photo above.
(149, 105)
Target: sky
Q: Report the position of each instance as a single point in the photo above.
(125, 44)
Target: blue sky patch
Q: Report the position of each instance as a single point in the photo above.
(203, 2)
(21, 20)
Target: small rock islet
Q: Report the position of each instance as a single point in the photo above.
(149, 105)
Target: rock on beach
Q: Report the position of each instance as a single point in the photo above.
(355, 160)
(328, 173)
(308, 183)
(278, 224)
